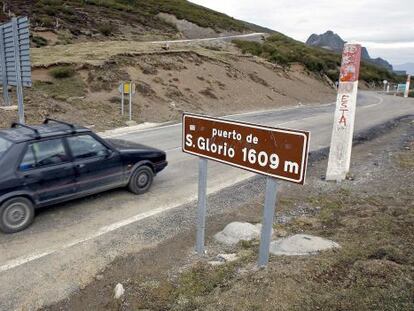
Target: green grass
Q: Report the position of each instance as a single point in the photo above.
(62, 88)
(180, 8)
(285, 51)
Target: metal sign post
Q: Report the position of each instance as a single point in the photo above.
(268, 217)
(202, 206)
(122, 99)
(17, 66)
(6, 97)
(15, 59)
(127, 89)
(275, 153)
(130, 101)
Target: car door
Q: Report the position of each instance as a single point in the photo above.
(47, 170)
(97, 166)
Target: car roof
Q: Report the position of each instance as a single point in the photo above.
(22, 134)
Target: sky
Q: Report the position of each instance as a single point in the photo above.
(385, 27)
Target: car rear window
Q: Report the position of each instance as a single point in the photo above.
(4, 146)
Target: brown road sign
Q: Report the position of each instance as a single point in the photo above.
(278, 153)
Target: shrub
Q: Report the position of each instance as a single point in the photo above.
(62, 72)
(45, 21)
(253, 48)
(105, 29)
(39, 41)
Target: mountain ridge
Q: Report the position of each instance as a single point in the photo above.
(408, 67)
(333, 42)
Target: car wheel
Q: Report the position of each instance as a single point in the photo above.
(141, 180)
(16, 215)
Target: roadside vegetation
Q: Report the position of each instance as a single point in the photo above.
(66, 84)
(285, 51)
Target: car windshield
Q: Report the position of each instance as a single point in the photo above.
(4, 146)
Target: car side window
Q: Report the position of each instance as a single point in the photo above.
(85, 146)
(29, 160)
(44, 153)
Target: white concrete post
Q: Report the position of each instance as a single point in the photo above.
(407, 86)
(343, 127)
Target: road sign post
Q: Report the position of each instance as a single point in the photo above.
(343, 128)
(130, 100)
(6, 97)
(127, 88)
(268, 217)
(407, 86)
(202, 206)
(122, 98)
(15, 59)
(275, 153)
(17, 64)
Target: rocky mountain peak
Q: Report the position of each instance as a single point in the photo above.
(333, 42)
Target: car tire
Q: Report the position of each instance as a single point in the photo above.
(16, 214)
(141, 180)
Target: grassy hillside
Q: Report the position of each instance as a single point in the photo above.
(284, 51)
(100, 19)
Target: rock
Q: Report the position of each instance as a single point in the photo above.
(215, 263)
(119, 291)
(227, 257)
(99, 277)
(131, 123)
(237, 231)
(301, 244)
(281, 233)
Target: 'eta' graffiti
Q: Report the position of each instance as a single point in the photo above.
(343, 108)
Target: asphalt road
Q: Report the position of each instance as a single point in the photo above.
(69, 244)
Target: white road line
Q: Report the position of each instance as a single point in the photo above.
(14, 263)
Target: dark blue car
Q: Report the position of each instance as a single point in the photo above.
(57, 161)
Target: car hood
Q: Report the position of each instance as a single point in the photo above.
(123, 145)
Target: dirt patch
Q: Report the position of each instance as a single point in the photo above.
(370, 216)
(50, 36)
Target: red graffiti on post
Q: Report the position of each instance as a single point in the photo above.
(350, 63)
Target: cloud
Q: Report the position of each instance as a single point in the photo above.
(376, 21)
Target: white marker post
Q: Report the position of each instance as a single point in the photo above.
(407, 87)
(343, 128)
